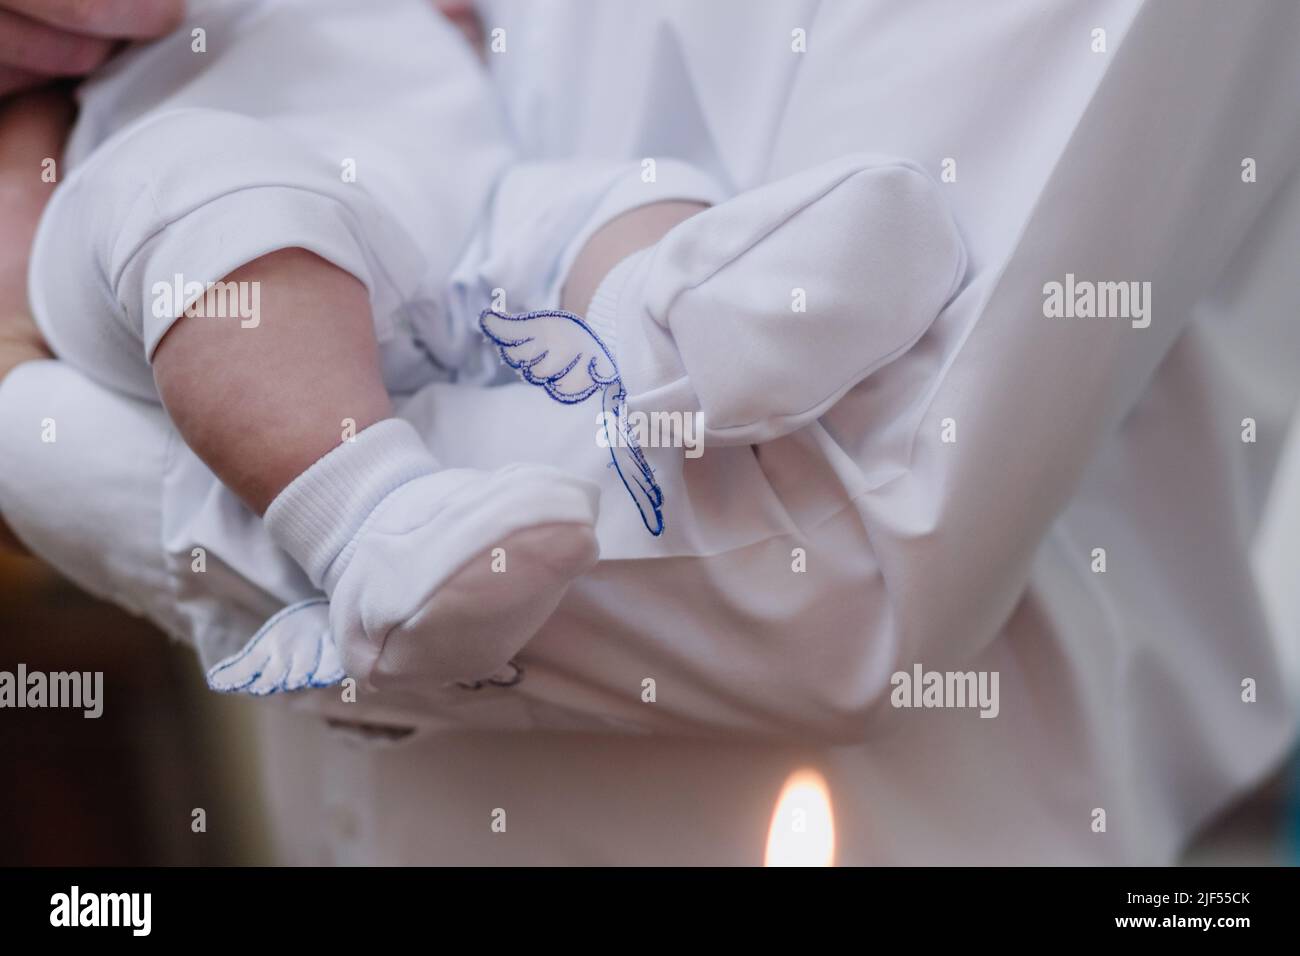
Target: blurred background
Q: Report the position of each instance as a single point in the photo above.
(119, 790)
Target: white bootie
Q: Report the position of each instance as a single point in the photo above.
(432, 576)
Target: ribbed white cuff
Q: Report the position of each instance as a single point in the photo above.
(675, 181)
(602, 313)
(317, 517)
(199, 248)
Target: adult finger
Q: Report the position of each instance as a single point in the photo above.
(12, 80)
(118, 19)
(36, 47)
(32, 130)
(33, 127)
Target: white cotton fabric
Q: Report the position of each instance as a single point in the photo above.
(715, 320)
(540, 216)
(405, 553)
(1118, 690)
(317, 517)
(442, 585)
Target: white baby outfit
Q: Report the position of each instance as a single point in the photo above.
(245, 153)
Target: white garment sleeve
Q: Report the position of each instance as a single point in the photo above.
(923, 497)
(87, 480)
(81, 482)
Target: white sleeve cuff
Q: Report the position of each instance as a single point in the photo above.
(232, 230)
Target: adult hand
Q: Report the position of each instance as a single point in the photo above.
(33, 127)
(464, 17)
(41, 39)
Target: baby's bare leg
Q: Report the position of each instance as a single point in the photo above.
(401, 547)
(620, 237)
(260, 404)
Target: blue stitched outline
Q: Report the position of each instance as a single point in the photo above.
(613, 398)
(281, 683)
(311, 671)
(525, 368)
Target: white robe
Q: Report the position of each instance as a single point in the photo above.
(1119, 691)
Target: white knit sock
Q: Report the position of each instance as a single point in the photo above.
(762, 311)
(317, 517)
(602, 313)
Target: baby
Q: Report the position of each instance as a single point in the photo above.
(289, 210)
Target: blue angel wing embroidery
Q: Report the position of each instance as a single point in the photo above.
(630, 462)
(292, 651)
(559, 352)
(555, 350)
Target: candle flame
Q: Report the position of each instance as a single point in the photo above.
(803, 827)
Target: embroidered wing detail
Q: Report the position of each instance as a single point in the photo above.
(630, 462)
(291, 651)
(555, 350)
(559, 352)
